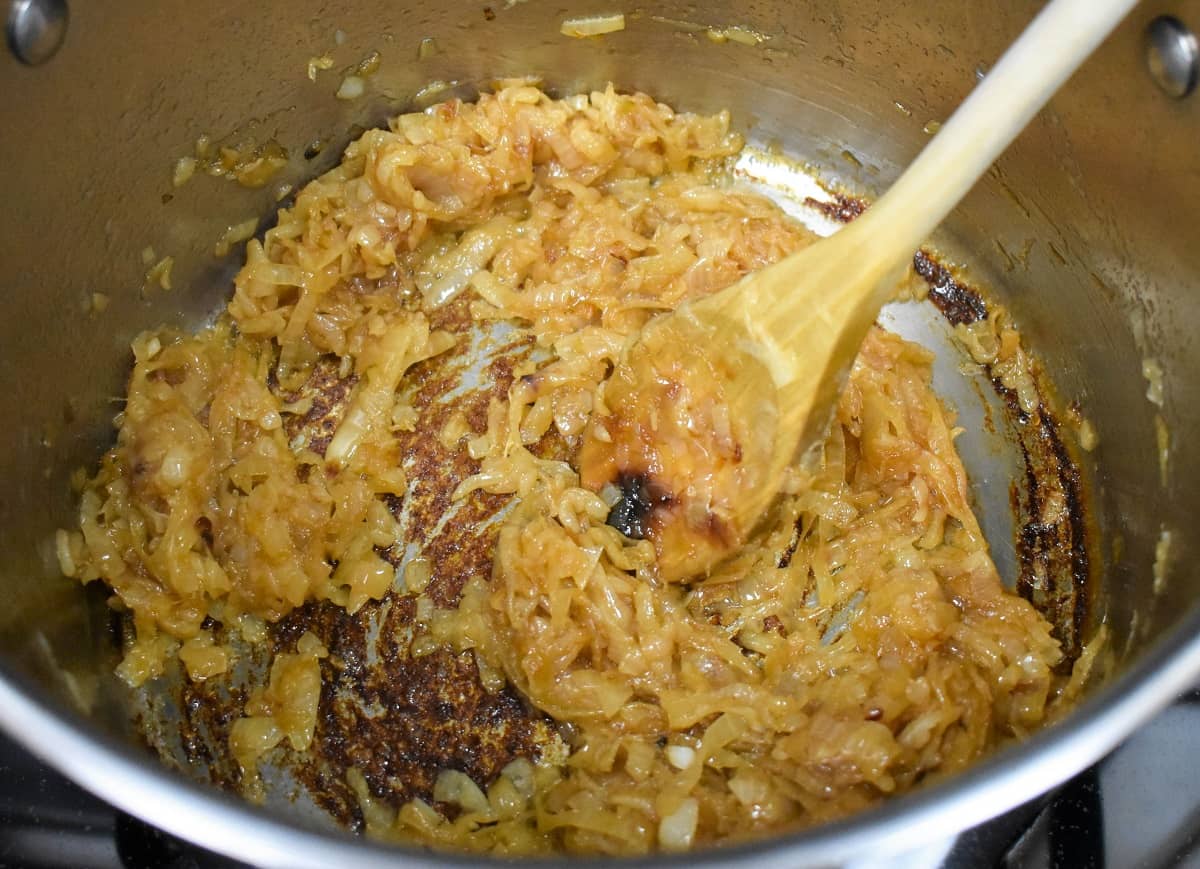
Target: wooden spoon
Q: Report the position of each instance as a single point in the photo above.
(715, 400)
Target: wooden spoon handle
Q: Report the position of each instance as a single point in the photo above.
(1058, 41)
(830, 293)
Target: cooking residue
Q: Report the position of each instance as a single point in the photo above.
(249, 164)
(1162, 555)
(718, 33)
(1153, 373)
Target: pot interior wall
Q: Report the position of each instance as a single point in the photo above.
(1083, 229)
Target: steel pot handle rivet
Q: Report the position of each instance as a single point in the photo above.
(36, 29)
(1172, 55)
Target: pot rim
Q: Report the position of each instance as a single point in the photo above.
(143, 787)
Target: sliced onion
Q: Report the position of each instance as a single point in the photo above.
(593, 25)
(680, 756)
(460, 789)
(352, 88)
(677, 830)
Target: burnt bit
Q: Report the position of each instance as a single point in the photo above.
(207, 711)
(639, 496)
(454, 317)
(464, 547)
(191, 722)
(1052, 546)
(489, 13)
(286, 632)
(425, 715)
(330, 396)
(397, 719)
(958, 303)
(204, 526)
(774, 623)
(842, 208)
(1054, 532)
(785, 557)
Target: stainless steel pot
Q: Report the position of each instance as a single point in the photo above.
(1087, 227)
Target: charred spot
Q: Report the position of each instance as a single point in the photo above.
(286, 632)
(785, 557)
(207, 713)
(435, 472)
(1053, 561)
(329, 396)
(841, 208)
(437, 717)
(395, 504)
(774, 623)
(489, 14)
(1056, 551)
(393, 555)
(958, 303)
(204, 526)
(630, 515)
(501, 370)
(115, 625)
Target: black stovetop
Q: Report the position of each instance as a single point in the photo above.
(1139, 807)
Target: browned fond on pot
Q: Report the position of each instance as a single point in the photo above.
(397, 718)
